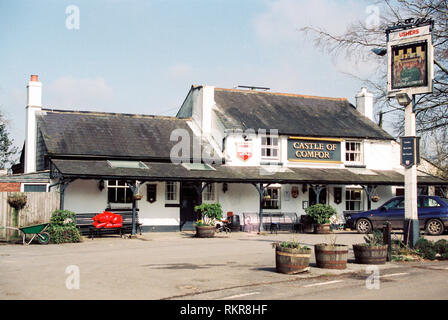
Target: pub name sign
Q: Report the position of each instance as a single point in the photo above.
(304, 149)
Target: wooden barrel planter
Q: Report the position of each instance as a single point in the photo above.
(205, 231)
(291, 261)
(370, 254)
(322, 228)
(331, 256)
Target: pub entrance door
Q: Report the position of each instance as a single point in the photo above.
(189, 198)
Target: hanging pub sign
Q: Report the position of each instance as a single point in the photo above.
(411, 59)
(244, 150)
(304, 149)
(410, 151)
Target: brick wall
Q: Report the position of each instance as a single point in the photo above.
(9, 186)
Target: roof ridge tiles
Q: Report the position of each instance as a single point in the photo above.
(101, 113)
(282, 94)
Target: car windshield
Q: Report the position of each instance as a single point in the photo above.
(445, 200)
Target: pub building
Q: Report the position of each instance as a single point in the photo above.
(252, 151)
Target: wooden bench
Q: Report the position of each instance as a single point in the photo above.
(272, 221)
(84, 223)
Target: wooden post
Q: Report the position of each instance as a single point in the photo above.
(387, 239)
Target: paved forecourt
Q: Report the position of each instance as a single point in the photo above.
(154, 265)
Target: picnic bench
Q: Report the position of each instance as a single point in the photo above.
(84, 223)
(272, 221)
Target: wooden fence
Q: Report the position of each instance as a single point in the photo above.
(38, 209)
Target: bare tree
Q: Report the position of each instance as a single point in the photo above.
(7, 150)
(361, 37)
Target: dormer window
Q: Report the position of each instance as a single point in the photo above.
(353, 152)
(269, 148)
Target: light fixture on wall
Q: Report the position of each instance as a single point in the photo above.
(101, 185)
(304, 188)
(225, 187)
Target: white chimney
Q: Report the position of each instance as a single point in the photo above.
(33, 105)
(364, 103)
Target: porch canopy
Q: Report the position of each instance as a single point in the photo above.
(67, 170)
(158, 171)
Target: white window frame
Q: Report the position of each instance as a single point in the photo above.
(174, 192)
(116, 187)
(349, 200)
(22, 185)
(209, 193)
(270, 147)
(359, 153)
(271, 200)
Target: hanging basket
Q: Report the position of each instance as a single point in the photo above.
(17, 201)
(138, 197)
(375, 198)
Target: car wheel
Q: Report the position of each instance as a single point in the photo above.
(434, 227)
(363, 226)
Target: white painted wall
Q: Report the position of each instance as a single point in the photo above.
(156, 214)
(83, 196)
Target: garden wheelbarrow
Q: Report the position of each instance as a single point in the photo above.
(38, 230)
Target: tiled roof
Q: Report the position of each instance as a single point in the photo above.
(293, 114)
(75, 133)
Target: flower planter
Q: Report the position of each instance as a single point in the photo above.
(292, 261)
(205, 231)
(322, 228)
(331, 256)
(370, 254)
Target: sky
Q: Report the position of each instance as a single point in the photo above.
(142, 57)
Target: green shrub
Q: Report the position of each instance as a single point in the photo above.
(210, 213)
(292, 244)
(426, 249)
(374, 239)
(441, 246)
(320, 213)
(62, 228)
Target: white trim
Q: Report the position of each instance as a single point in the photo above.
(22, 185)
(272, 147)
(177, 191)
(361, 152)
(214, 194)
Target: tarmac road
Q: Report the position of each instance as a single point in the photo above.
(178, 266)
(407, 282)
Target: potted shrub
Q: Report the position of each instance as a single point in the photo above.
(321, 214)
(206, 226)
(372, 251)
(291, 257)
(62, 228)
(331, 255)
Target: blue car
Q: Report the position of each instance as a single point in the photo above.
(432, 215)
